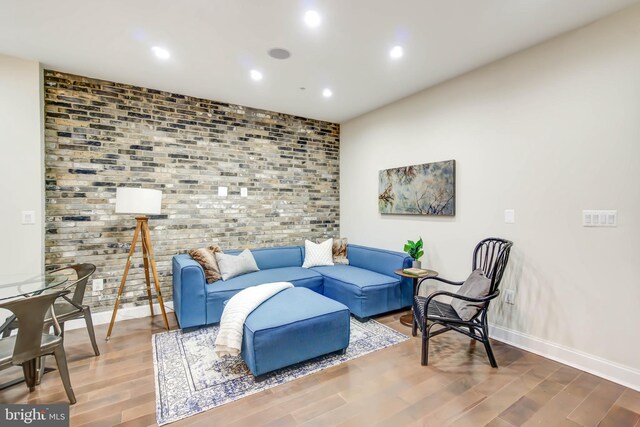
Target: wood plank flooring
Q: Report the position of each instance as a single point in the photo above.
(385, 388)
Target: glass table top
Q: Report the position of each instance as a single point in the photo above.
(31, 286)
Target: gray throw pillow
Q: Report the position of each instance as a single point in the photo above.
(477, 285)
(236, 265)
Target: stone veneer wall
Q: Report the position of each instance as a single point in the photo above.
(101, 135)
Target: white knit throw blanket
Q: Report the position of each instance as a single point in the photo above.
(229, 340)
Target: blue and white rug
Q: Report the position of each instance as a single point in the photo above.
(191, 379)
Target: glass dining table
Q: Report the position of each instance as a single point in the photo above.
(32, 286)
(23, 289)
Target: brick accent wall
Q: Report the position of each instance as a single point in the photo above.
(101, 135)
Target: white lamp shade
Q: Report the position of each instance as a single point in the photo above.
(142, 201)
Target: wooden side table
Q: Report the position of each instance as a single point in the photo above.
(407, 319)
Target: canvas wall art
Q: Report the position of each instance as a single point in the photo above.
(426, 189)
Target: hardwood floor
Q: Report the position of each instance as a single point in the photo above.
(386, 388)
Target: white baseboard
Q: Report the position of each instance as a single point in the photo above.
(624, 375)
(125, 313)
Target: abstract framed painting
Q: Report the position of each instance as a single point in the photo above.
(426, 189)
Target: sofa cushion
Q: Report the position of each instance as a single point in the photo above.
(356, 276)
(365, 292)
(236, 265)
(284, 256)
(221, 291)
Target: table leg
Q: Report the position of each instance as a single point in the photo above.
(407, 319)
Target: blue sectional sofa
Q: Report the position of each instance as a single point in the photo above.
(368, 285)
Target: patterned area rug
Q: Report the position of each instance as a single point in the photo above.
(191, 379)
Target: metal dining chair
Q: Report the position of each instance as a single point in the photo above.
(30, 343)
(72, 308)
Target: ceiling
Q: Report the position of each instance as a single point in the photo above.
(215, 43)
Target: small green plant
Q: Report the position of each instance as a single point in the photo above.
(414, 249)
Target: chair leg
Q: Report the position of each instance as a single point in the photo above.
(61, 360)
(92, 336)
(29, 371)
(487, 347)
(414, 326)
(41, 363)
(425, 344)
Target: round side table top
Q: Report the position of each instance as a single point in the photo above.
(429, 273)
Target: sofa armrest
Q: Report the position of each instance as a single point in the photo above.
(384, 262)
(189, 291)
(379, 260)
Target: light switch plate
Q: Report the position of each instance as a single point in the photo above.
(599, 218)
(28, 217)
(222, 191)
(243, 192)
(509, 216)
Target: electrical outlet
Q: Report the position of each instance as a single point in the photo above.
(28, 217)
(243, 192)
(222, 191)
(510, 296)
(98, 285)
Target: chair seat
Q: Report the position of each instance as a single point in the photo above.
(436, 309)
(7, 345)
(65, 311)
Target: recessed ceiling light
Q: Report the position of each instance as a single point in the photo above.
(279, 53)
(327, 93)
(312, 18)
(161, 52)
(256, 75)
(396, 52)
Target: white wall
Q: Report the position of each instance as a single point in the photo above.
(21, 169)
(548, 132)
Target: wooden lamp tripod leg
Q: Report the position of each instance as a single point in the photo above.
(147, 239)
(145, 258)
(124, 276)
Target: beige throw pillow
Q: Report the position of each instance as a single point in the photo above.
(207, 259)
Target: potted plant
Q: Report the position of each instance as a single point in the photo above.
(414, 250)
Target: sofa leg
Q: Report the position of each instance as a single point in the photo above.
(361, 319)
(259, 378)
(342, 351)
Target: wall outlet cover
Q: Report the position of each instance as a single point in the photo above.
(510, 296)
(243, 192)
(28, 217)
(222, 191)
(97, 285)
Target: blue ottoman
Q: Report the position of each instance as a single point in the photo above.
(294, 325)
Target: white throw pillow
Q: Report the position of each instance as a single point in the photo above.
(236, 265)
(317, 254)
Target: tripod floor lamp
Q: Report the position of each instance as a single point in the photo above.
(141, 202)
